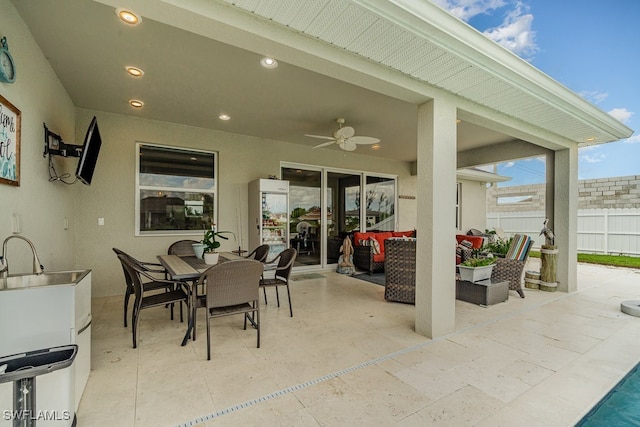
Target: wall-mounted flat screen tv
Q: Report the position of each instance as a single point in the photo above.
(90, 151)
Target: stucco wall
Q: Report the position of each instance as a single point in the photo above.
(42, 206)
(241, 159)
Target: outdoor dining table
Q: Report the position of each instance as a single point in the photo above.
(189, 269)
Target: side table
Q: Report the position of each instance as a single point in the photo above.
(483, 292)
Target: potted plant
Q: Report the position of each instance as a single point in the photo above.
(476, 269)
(211, 244)
(499, 247)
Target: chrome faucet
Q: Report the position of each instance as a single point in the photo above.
(4, 262)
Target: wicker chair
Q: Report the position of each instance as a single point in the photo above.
(182, 248)
(232, 288)
(176, 291)
(511, 267)
(260, 253)
(285, 260)
(149, 267)
(400, 271)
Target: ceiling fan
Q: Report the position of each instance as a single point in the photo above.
(344, 137)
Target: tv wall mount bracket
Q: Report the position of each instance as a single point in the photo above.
(55, 146)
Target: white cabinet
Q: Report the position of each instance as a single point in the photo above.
(43, 311)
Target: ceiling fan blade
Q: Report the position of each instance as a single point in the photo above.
(345, 132)
(320, 136)
(324, 144)
(348, 145)
(364, 140)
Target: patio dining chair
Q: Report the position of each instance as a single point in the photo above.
(232, 288)
(175, 292)
(282, 272)
(259, 254)
(153, 269)
(182, 248)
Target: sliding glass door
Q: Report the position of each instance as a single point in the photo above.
(329, 204)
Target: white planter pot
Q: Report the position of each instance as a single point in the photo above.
(211, 258)
(475, 274)
(198, 249)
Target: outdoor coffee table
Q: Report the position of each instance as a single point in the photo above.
(483, 292)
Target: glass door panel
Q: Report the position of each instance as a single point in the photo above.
(343, 211)
(306, 214)
(380, 203)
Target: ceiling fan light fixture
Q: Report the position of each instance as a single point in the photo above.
(268, 62)
(345, 138)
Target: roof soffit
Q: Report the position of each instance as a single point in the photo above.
(424, 42)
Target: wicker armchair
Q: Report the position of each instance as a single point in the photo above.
(511, 269)
(400, 271)
(363, 259)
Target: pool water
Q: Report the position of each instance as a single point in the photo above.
(620, 407)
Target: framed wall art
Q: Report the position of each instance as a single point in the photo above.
(9, 143)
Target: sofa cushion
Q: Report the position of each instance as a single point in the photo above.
(519, 249)
(402, 233)
(477, 241)
(381, 237)
(375, 245)
(378, 258)
(361, 239)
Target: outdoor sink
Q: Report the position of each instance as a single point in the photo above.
(21, 281)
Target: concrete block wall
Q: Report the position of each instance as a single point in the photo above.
(603, 193)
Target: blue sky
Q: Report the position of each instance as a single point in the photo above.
(589, 46)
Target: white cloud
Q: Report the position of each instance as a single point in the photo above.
(594, 96)
(516, 32)
(621, 114)
(596, 158)
(635, 139)
(467, 9)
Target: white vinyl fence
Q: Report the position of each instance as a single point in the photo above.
(600, 231)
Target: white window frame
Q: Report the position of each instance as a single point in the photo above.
(138, 188)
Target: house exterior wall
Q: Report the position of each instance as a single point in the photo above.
(474, 206)
(43, 208)
(241, 160)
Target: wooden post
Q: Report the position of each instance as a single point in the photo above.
(548, 258)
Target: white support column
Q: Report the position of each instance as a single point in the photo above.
(565, 218)
(436, 197)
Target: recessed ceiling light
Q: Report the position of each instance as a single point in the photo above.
(136, 103)
(128, 17)
(224, 117)
(375, 147)
(134, 71)
(267, 62)
(591, 139)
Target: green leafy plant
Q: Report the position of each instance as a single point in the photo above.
(209, 241)
(498, 247)
(478, 262)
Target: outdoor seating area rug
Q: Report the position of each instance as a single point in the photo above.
(378, 279)
(307, 276)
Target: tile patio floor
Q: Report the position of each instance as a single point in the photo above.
(348, 358)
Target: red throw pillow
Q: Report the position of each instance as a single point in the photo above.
(381, 237)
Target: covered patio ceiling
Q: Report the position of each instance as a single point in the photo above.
(371, 62)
